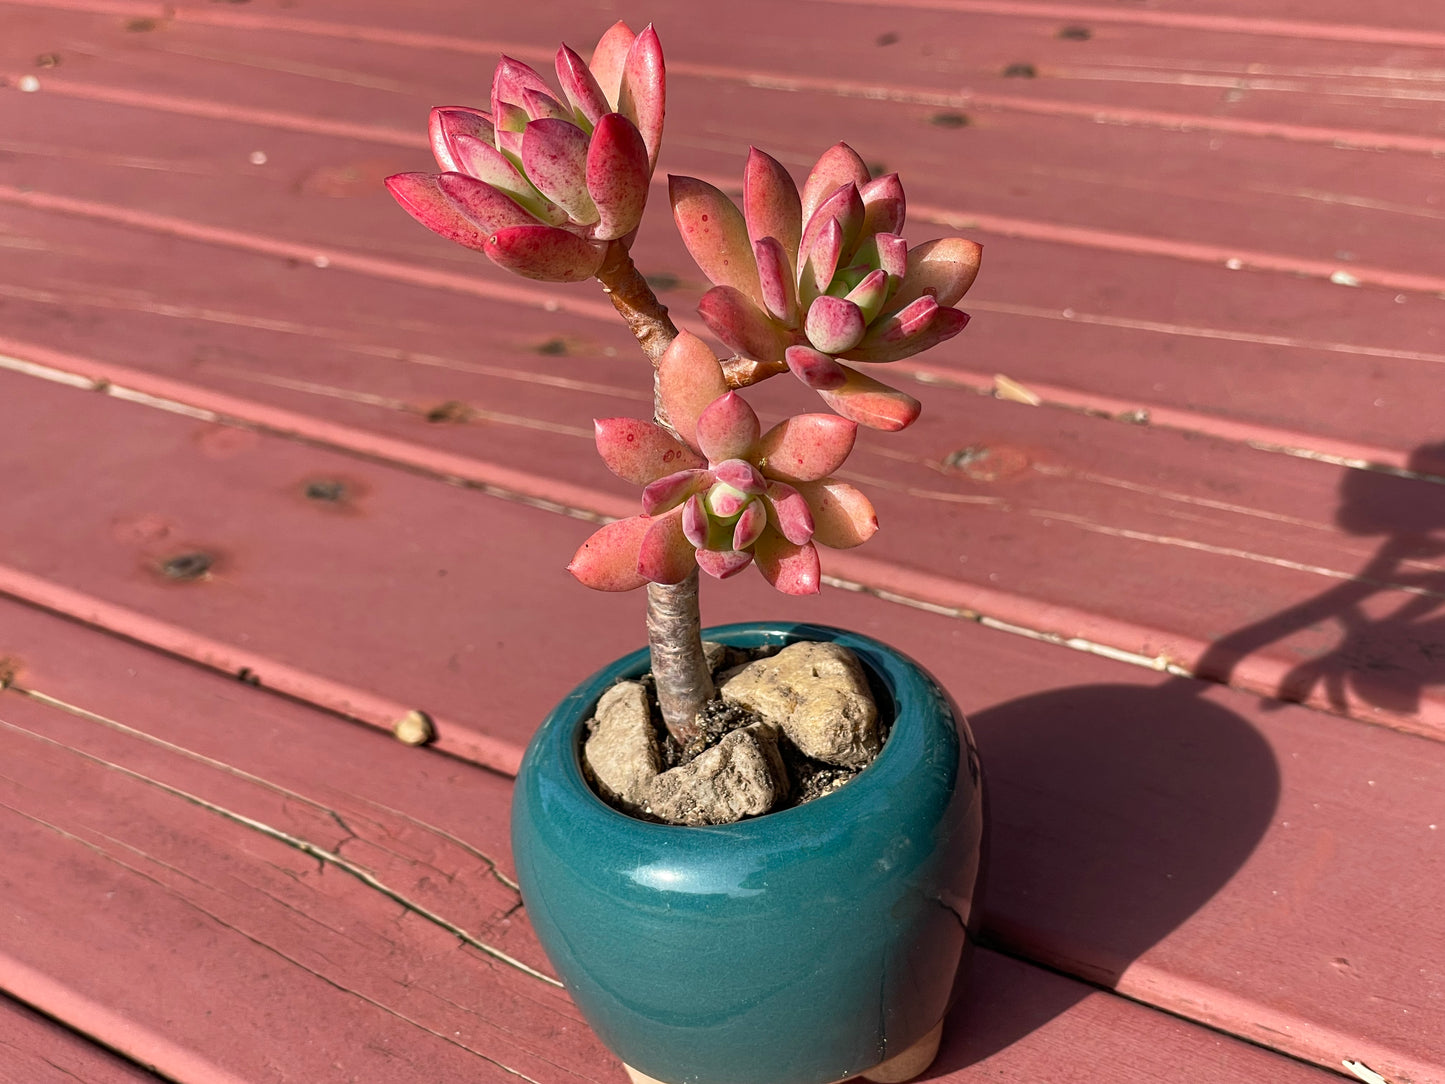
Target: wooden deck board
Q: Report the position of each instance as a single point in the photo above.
(1174, 204)
(36, 1050)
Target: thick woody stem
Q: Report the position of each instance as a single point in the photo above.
(674, 622)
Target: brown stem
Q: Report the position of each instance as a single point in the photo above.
(674, 622)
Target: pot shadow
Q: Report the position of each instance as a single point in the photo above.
(1117, 811)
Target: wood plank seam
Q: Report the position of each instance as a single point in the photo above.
(312, 850)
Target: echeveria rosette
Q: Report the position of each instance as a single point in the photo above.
(544, 182)
(809, 279)
(722, 494)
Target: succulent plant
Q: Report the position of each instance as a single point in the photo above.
(544, 182)
(721, 494)
(810, 279)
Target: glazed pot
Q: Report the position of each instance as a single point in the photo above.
(802, 947)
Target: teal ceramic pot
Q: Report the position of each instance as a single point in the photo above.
(802, 947)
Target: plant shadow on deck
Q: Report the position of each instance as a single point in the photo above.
(1118, 811)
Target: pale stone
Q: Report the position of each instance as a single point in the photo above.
(817, 694)
(622, 751)
(740, 776)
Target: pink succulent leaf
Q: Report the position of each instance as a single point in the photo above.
(845, 207)
(818, 371)
(727, 428)
(700, 529)
(806, 447)
(871, 294)
(821, 264)
(541, 106)
(733, 318)
(770, 203)
(838, 165)
(688, 379)
(545, 253)
(792, 569)
(789, 513)
(509, 142)
(715, 234)
(741, 475)
(887, 251)
(750, 525)
(508, 117)
(666, 554)
(884, 206)
(486, 163)
(421, 197)
(642, 452)
(668, 492)
(488, 207)
(617, 176)
(943, 269)
(449, 121)
(554, 154)
(872, 403)
(586, 97)
(724, 504)
(775, 278)
(889, 340)
(835, 324)
(720, 564)
(608, 560)
(642, 94)
(842, 516)
(510, 79)
(609, 58)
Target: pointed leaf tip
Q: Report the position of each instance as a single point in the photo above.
(607, 561)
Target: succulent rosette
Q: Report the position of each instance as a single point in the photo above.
(826, 275)
(544, 182)
(722, 494)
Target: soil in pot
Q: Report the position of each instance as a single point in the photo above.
(789, 725)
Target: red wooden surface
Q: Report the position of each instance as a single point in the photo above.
(233, 885)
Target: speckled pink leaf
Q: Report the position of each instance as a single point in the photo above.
(422, 198)
(943, 269)
(913, 329)
(845, 207)
(508, 117)
(642, 94)
(509, 79)
(733, 318)
(727, 428)
(872, 403)
(806, 447)
(545, 253)
(609, 58)
(489, 208)
(581, 87)
(817, 370)
(666, 556)
(771, 205)
(670, 491)
(608, 560)
(688, 379)
(834, 324)
(884, 207)
(842, 516)
(750, 525)
(715, 234)
(790, 568)
(617, 176)
(642, 452)
(725, 503)
(838, 165)
(695, 521)
(789, 513)
(554, 154)
(741, 475)
(720, 564)
(540, 106)
(775, 278)
(449, 121)
(821, 264)
(486, 163)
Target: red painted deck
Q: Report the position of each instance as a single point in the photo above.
(1191, 601)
